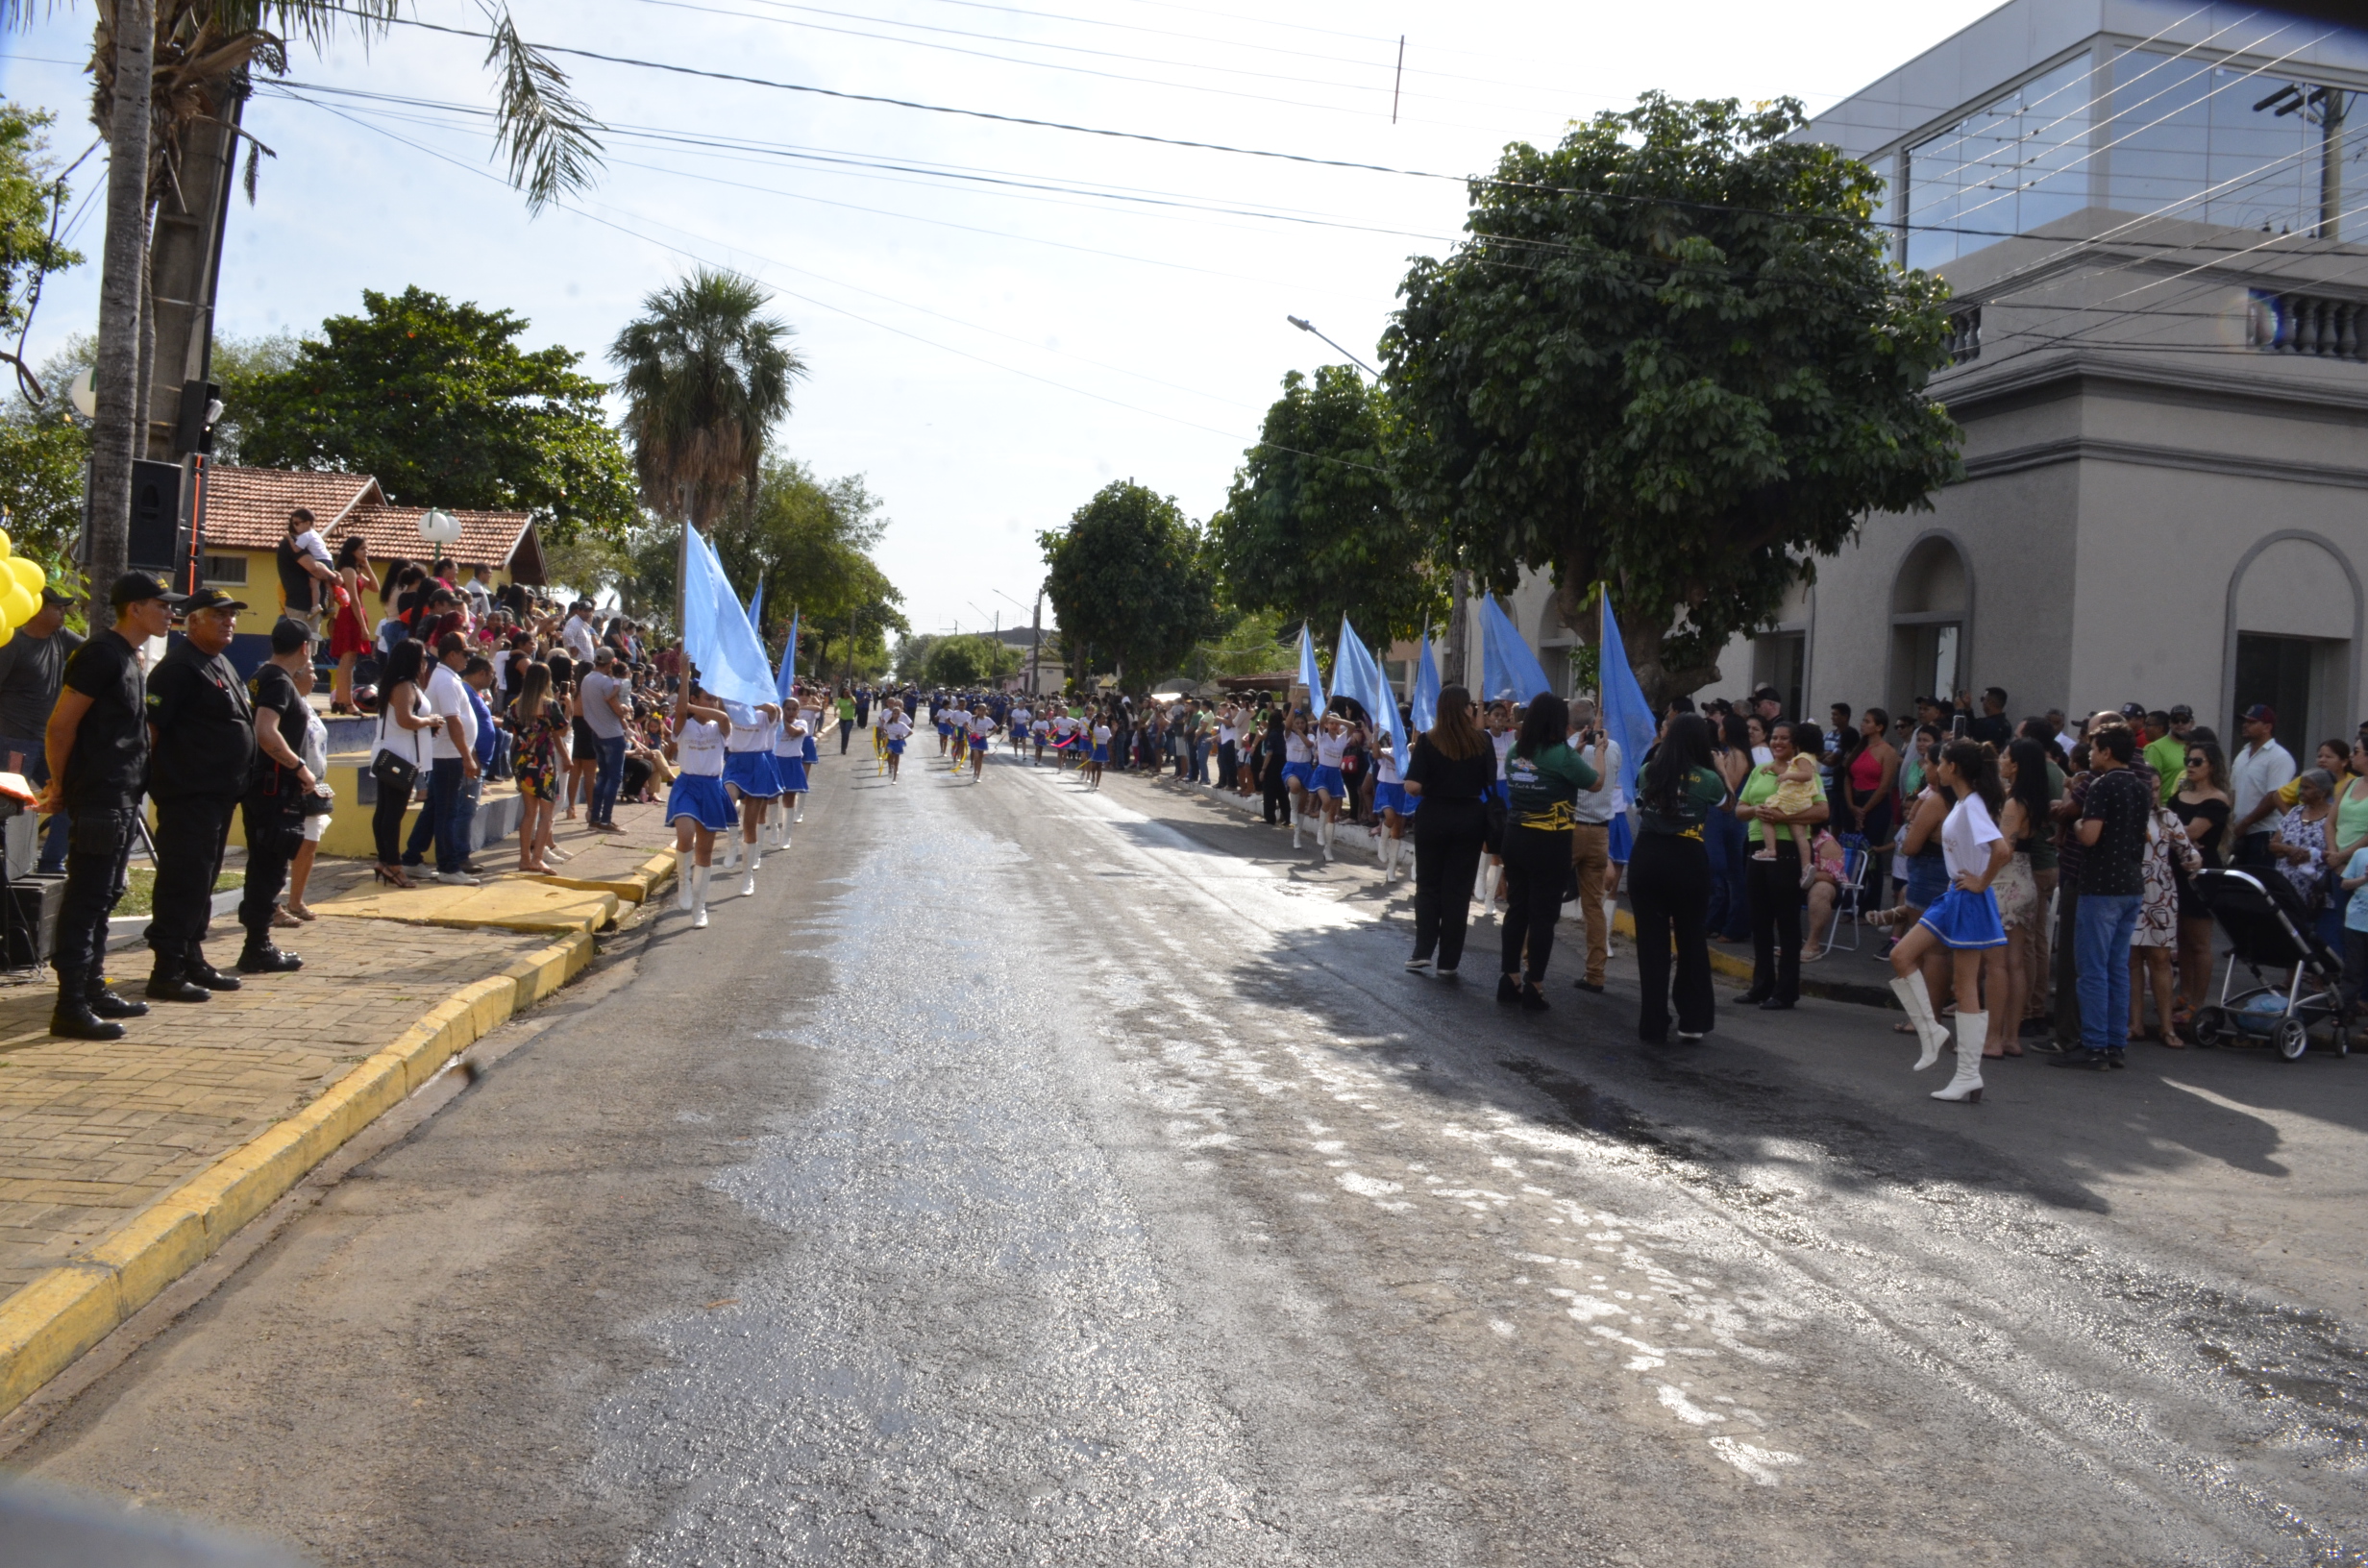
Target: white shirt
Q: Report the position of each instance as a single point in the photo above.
(2255, 772)
(409, 744)
(448, 695)
(1330, 749)
(1598, 806)
(1503, 742)
(577, 634)
(983, 726)
(1101, 734)
(789, 739)
(1296, 748)
(1385, 767)
(751, 731)
(1966, 835)
(896, 731)
(698, 746)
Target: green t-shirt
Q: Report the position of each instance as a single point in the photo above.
(2168, 758)
(1544, 788)
(847, 710)
(1758, 787)
(1698, 795)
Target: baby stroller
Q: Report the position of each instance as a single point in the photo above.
(2267, 923)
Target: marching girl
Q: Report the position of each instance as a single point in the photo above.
(695, 804)
(1299, 768)
(748, 774)
(1017, 730)
(1964, 921)
(810, 714)
(981, 727)
(1327, 784)
(789, 738)
(895, 729)
(1039, 731)
(1064, 738)
(1395, 805)
(1101, 751)
(942, 713)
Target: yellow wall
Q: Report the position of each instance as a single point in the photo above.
(261, 589)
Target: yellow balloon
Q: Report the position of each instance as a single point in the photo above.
(7, 631)
(29, 574)
(18, 605)
(3, 545)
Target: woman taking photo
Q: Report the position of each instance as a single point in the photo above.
(1776, 881)
(1450, 770)
(407, 725)
(1965, 922)
(1542, 779)
(2202, 805)
(1669, 880)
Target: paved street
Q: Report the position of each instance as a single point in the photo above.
(1026, 1175)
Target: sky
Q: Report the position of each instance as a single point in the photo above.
(997, 319)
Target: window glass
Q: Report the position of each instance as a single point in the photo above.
(2017, 163)
(2209, 144)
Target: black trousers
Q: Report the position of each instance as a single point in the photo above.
(1448, 836)
(2067, 995)
(97, 856)
(191, 831)
(846, 727)
(1668, 885)
(1775, 886)
(1536, 866)
(1225, 765)
(387, 822)
(272, 837)
(1277, 798)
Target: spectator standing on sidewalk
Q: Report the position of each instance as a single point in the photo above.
(32, 674)
(1591, 842)
(2116, 808)
(2258, 770)
(305, 574)
(452, 761)
(96, 745)
(204, 724)
(315, 751)
(605, 715)
(577, 634)
(272, 810)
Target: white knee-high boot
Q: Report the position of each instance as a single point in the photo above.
(1488, 875)
(757, 849)
(1918, 1002)
(1972, 1030)
(1611, 908)
(698, 896)
(682, 878)
(1294, 828)
(732, 849)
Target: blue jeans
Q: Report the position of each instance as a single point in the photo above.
(609, 780)
(36, 773)
(1729, 862)
(2102, 928)
(440, 821)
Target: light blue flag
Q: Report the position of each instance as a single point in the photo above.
(756, 609)
(1425, 704)
(1511, 668)
(1625, 713)
(1357, 673)
(789, 659)
(1309, 677)
(716, 635)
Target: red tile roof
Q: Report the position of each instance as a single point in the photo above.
(246, 508)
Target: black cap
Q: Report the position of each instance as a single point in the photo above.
(133, 587)
(52, 596)
(288, 635)
(212, 598)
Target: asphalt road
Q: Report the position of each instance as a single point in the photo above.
(1026, 1175)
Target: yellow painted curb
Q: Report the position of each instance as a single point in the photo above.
(65, 1310)
(1733, 967)
(509, 905)
(634, 886)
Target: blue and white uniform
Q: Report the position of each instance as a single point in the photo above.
(813, 716)
(897, 730)
(1328, 779)
(698, 791)
(1389, 790)
(1101, 743)
(748, 754)
(1963, 919)
(1298, 759)
(981, 726)
(789, 755)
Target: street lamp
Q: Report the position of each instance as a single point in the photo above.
(1306, 325)
(439, 527)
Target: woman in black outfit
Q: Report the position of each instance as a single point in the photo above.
(1449, 769)
(1669, 880)
(1776, 884)
(1271, 769)
(1544, 780)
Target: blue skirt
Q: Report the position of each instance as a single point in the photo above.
(896, 748)
(1328, 781)
(1966, 919)
(1101, 753)
(701, 797)
(813, 753)
(792, 771)
(1927, 878)
(1622, 839)
(1303, 771)
(753, 774)
(1394, 798)
(978, 742)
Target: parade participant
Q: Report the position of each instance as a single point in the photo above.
(272, 810)
(1395, 805)
(1298, 770)
(897, 730)
(941, 713)
(750, 778)
(1543, 777)
(810, 710)
(789, 769)
(1016, 727)
(1964, 921)
(1326, 783)
(1450, 771)
(32, 670)
(204, 728)
(1679, 791)
(1039, 731)
(980, 728)
(96, 743)
(1101, 751)
(696, 805)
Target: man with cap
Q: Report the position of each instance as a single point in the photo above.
(203, 736)
(272, 810)
(96, 743)
(31, 672)
(2256, 772)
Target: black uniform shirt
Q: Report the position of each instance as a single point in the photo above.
(204, 726)
(109, 765)
(274, 690)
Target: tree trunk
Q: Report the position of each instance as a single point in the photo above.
(115, 430)
(1459, 630)
(1643, 636)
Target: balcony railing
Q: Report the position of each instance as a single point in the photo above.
(1965, 335)
(2318, 324)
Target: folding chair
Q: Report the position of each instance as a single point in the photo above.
(1850, 894)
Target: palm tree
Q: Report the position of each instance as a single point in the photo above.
(161, 69)
(706, 377)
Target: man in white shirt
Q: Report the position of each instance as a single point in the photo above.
(2256, 772)
(605, 714)
(454, 761)
(576, 632)
(1591, 837)
(478, 592)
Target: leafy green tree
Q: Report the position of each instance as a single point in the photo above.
(912, 655)
(1672, 356)
(1129, 584)
(239, 365)
(31, 195)
(706, 377)
(438, 401)
(1312, 530)
(970, 661)
(1254, 644)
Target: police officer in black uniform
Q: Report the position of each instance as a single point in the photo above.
(97, 748)
(204, 730)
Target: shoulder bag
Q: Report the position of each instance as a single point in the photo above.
(394, 774)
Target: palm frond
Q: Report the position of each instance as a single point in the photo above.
(545, 128)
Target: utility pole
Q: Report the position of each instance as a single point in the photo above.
(1036, 644)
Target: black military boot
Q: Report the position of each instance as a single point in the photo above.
(106, 1004)
(261, 957)
(203, 973)
(170, 981)
(72, 1019)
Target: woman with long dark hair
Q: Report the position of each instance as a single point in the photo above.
(2025, 822)
(407, 723)
(1543, 778)
(1776, 882)
(1678, 794)
(1450, 770)
(349, 636)
(1964, 921)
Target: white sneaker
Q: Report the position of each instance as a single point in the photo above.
(457, 879)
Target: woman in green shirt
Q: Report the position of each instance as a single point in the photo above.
(1543, 780)
(1776, 883)
(1669, 880)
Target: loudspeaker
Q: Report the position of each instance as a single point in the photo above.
(158, 542)
(32, 926)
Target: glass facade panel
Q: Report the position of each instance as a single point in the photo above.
(2188, 141)
(2015, 164)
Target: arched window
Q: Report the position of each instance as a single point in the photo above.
(1931, 621)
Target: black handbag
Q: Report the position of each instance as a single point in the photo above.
(393, 773)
